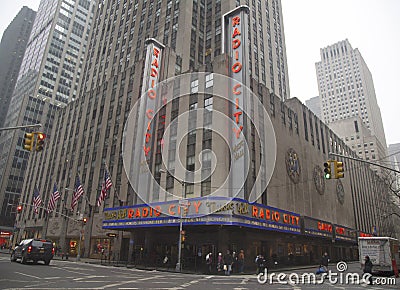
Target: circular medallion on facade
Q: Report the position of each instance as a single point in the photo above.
(319, 180)
(340, 191)
(293, 165)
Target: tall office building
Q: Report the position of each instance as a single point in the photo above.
(197, 43)
(346, 88)
(315, 105)
(121, 70)
(48, 79)
(12, 49)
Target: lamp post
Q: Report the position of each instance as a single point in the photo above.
(178, 267)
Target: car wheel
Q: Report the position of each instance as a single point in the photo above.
(12, 258)
(46, 262)
(23, 259)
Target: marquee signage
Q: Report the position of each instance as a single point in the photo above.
(345, 234)
(205, 210)
(318, 228)
(236, 47)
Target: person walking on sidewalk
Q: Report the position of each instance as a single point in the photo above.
(325, 261)
(220, 262)
(261, 264)
(368, 268)
(241, 261)
(228, 260)
(209, 261)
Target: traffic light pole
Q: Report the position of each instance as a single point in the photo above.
(20, 127)
(364, 161)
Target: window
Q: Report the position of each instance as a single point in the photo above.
(190, 163)
(209, 80)
(194, 86)
(208, 104)
(193, 106)
(189, 189)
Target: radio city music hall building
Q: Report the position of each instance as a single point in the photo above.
(266, 197)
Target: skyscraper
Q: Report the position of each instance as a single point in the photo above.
(12, 49)
(346, 88)
(314, 105)
(48, 80)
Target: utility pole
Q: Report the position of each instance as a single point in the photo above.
(364, 161)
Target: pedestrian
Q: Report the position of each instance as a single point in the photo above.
(220, 262)
(241, 261)
(209, 262)
(325, 261)
(228, 261)
(234, 262)
(261, 263)
(368, 268)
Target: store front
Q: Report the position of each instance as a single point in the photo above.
(216, 224)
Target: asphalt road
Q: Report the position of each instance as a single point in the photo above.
(72, 275)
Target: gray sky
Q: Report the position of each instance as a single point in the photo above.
(372, 26)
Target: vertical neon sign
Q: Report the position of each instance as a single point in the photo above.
(236, 46)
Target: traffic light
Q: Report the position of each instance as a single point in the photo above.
(28, 142)
(328, 169)
(40, 141)
(84, 220)
(339, 170)
(19, 208)
(183, 237)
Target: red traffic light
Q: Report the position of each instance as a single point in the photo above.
(84, 220)
(40, 141)
(19, 208)
(41, 136)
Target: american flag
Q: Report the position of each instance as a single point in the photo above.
(53, 199)
(105, 186)
(37, 201)
(78, 192)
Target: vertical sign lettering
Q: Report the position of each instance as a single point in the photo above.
(149, 104)
(235, 45)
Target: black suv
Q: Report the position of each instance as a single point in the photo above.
(35, 250)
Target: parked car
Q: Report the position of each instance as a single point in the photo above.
(33, 250)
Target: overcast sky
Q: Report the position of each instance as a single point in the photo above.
(372, 26)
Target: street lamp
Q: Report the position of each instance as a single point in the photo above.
(178, 267)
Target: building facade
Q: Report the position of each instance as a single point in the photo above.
(346, 88)
(48, 80)
(287, 218)
(12, 49)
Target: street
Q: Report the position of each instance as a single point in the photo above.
(73, 275)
